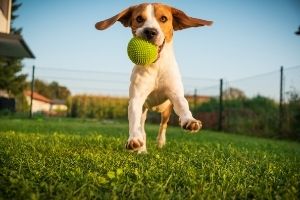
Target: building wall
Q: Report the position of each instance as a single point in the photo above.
(59, 107)
(5, 14)
(39, 106)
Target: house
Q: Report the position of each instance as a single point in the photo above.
(41, 104)
(11, 45)
(7, 103)
(58, 107)
(5, 13)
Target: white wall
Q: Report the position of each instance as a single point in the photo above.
(39, 106)
(5, 12)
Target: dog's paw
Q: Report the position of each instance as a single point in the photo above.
(161, 143)
(136, 144)
(192, 125)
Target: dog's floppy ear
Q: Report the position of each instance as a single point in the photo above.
(124, 17)
(182, 21)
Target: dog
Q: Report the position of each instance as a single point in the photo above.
(157, 87)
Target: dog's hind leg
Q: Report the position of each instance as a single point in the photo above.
(165, 116)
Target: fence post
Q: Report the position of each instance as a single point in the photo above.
(32, 89)
(220, 125)
(280, 118)
(195, 98)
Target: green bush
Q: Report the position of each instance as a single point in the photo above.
(291, 117)
(100, 107)
(256, 116)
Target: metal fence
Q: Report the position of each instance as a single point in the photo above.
(262, 105)
(280, 87)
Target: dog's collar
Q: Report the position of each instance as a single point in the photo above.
(160, 49)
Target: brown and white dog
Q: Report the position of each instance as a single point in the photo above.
(158, 86)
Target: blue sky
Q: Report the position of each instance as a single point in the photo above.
(247, 38)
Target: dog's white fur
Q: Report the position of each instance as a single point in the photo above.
(155, 87)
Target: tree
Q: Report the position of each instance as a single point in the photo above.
(292, 116)
(50, 90)
(15, 6)
(58, 91)
(40, 87)
(233, 93)
(11, 80)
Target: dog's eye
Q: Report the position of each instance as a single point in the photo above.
(163, 19)
(139, 19)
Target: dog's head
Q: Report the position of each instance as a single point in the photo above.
(154, 22)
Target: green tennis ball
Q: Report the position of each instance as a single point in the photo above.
(141, 52)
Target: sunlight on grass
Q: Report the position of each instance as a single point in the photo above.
(82, 159)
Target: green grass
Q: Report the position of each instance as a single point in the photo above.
(76, 159)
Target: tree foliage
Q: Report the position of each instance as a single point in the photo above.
(10, 80)
(51, 90)
(233, 93)
(14, 8)
(291, 124)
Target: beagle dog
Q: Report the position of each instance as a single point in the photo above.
(156, 87)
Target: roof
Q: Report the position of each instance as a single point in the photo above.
(58, 102)
(37, 96)
(12, 45)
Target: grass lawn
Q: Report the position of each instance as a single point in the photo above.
(76, 159)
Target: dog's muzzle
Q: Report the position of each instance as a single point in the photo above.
(160, 49)
(150, 34)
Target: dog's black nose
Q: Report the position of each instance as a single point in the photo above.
(150, 33)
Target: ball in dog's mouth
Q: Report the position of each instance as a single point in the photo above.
(142, 52)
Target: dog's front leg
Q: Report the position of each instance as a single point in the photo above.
(139, 90)
(137, 139)
(181, 108)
